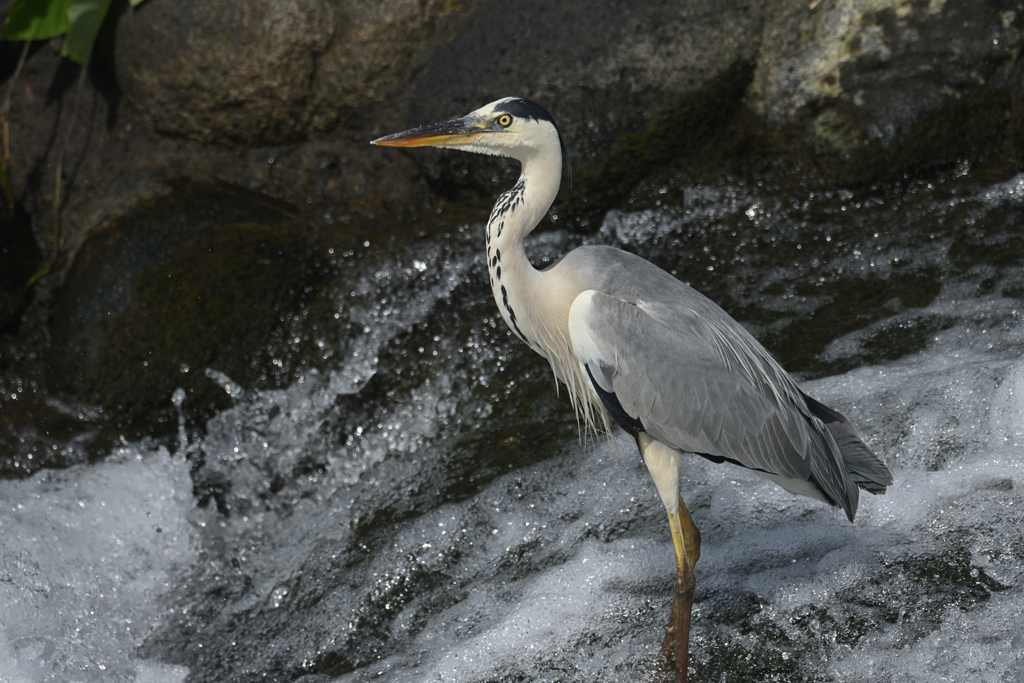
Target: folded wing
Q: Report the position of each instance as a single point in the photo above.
(694, 379)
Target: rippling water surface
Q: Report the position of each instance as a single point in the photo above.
(419, 504)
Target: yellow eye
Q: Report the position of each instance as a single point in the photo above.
(504, 120)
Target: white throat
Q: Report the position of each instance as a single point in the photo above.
(535, 304)
(517, 286)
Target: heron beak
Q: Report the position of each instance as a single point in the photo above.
(455, 132)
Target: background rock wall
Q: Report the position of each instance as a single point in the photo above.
(281, 97)
(873, 76)
(271, 104)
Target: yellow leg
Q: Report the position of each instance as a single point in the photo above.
(686, 540)
(663, 464)
(691, 536)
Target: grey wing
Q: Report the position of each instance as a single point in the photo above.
(694, 379)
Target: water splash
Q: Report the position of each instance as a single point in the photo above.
(421, 508)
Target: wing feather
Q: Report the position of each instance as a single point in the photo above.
(698, 382)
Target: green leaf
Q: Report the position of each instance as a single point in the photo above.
(136, 3)
(37, 19)
(86, 18)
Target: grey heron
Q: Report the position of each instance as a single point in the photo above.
(638, 348)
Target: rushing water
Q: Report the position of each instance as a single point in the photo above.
(421, 506)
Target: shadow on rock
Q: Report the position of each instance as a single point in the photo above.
(203, 278)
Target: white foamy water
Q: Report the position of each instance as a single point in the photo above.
(85, 556)
(925, 586)
(385, 565)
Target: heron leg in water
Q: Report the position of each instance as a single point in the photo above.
(663, 463)
(686, 540)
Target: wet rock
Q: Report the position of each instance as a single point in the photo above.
(296, 89)
(115, 160)
(270, 72)
(883, 85)
(219, 70)
(202, 278)
(19, 259)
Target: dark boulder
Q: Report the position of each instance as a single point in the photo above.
(239, 71)
(610, 73)
(271, 71)
(19, 259)
(201, 279)
(113, 155)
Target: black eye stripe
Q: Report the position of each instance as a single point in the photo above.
(530, 111)
(523, 109)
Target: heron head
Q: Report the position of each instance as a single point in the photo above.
(510, 127)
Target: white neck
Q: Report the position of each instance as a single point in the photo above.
(514, 280)
(522, 208)
(535, 304)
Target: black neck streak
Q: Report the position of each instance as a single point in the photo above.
(501, 213)
(507, 203)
